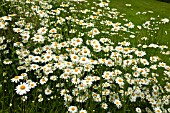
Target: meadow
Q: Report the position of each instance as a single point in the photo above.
(84, 56)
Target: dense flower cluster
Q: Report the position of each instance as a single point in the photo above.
(88, 58)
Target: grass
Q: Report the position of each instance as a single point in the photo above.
(119, 79)
(158, 7)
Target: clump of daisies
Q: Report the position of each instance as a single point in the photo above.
(87, 60)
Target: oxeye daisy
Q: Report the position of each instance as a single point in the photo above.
(36, 59)
(95, 31)
(84, 60)
(74, 58)
(120, 81)
(16, 79)
(34, 66)
(47, 57)
(32, 84)
(7, 61)
(43, 80)
(157, 110)
(109, 63)
(42, 30)
(68, 97)
(140, 53)
(38, 38)
(48, 91)
(72, 109)
(53, 30)
(118, 103)
(138, 110)
(22, 89)
(82, 111)
(76, 71)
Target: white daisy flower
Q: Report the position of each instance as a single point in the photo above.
(72, 109)
(17, 79)
(82, 111)
(22, 89)
(48, 91)
(119, 81)
(42, 31)
(138, 110)
(157, 110)
(118, 103)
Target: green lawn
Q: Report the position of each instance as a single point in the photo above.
(159, 8)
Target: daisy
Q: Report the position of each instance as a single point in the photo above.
(17, 30)
(7, 61)
(109, 63)
(167, 87)
(86, 83)
(23, 88)
(126, 50)
(32, 84)
(53, 78)
(17, 79)
(97, 98)
(85, 51)
(38, 38)
(75, 80)
(88, 67)
(74, 58)
(118, 49)
(72, 109)
(37, 51)
(130, 25)
(154, 58)
(138, 110)
(64, 76)
(103, 4)
(118, 103)
(157, 110)
(34, 66)
(116, 28)
(25, 53)
(82, 111)
(42, 31)
(84, 60)
(75, 92)
(57, 11)
(106, 75)
(25, 37)
(77, 71)
(108, 23)
(144, 61)
(119, 81)
(97, 47)
(6, 18)
(36, 59)
(133, 97)
(48, 91)
(68, 98)
(53, 30)
(47, 57)
(43, 80)
(140, 53)
(104, 106)
(162, 64)
(165, 20)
